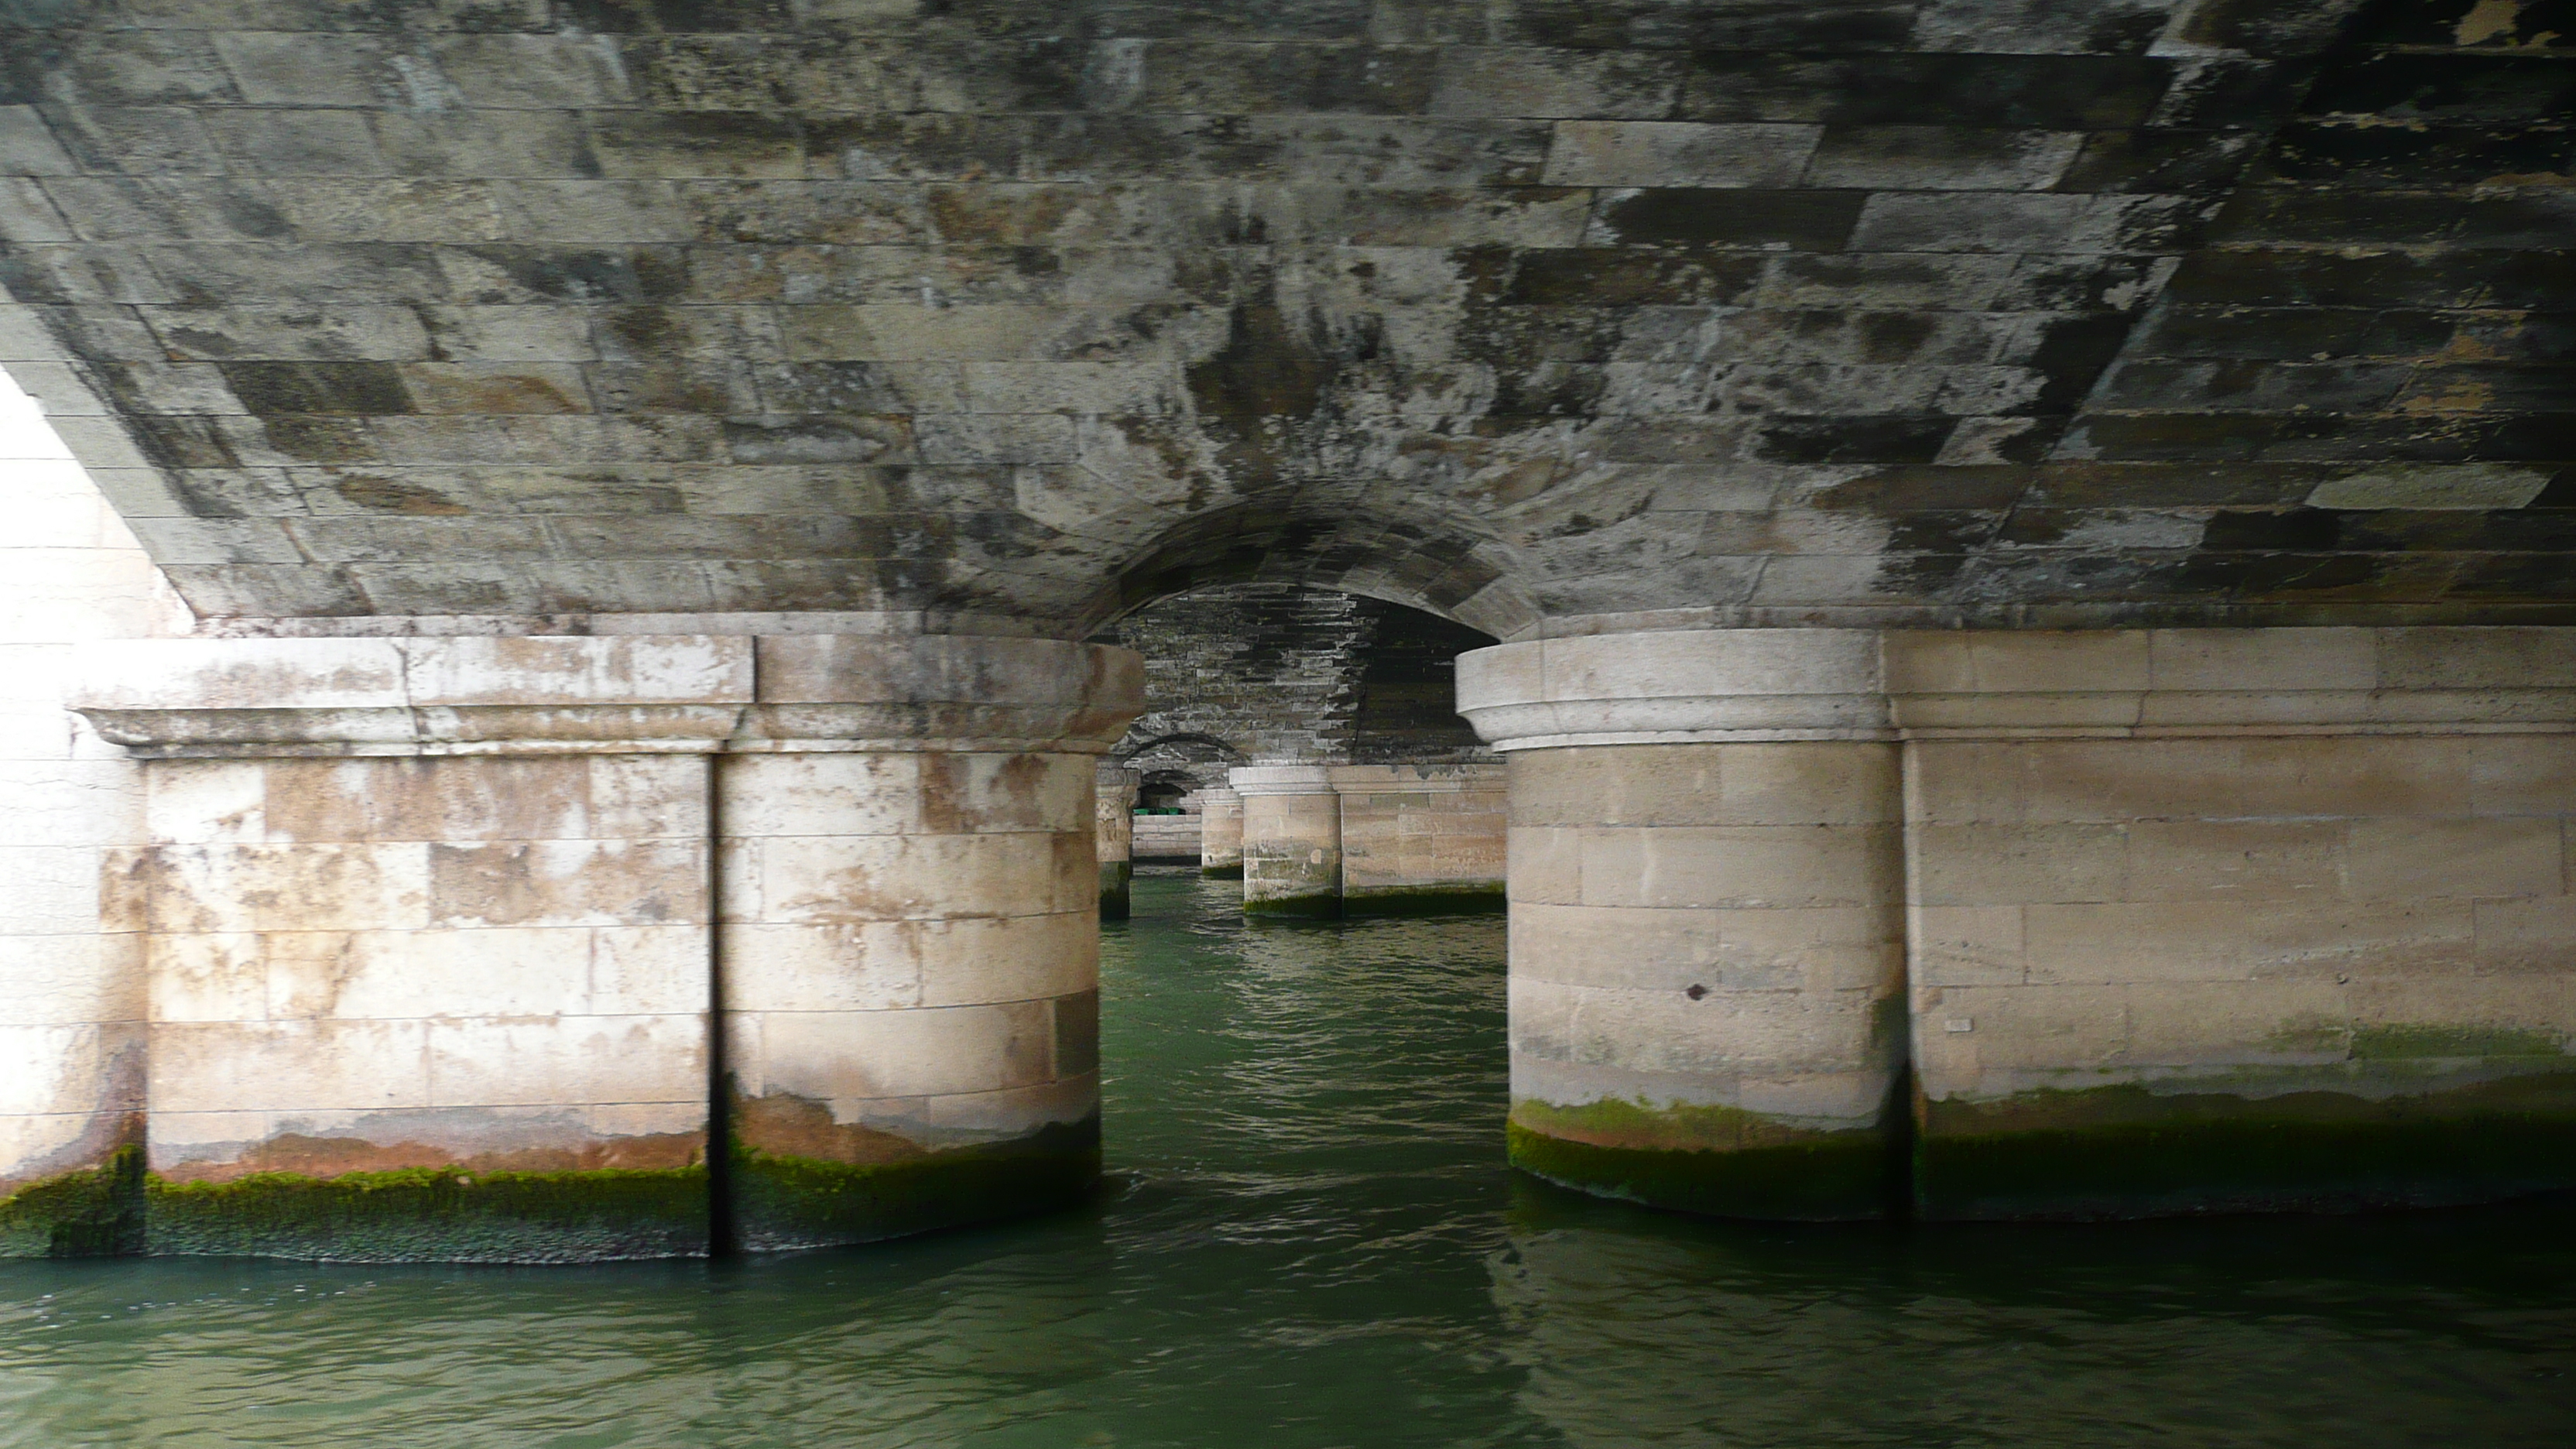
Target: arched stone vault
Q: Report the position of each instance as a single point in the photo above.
(1018, 313)
(715, 421)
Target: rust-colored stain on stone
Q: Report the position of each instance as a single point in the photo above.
(326, 1157)
(792, 1126)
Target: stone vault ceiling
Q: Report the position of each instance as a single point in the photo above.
(2004, 312)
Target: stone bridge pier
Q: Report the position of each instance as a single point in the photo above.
(1221, 833)
(1326, 841)
(1115, 811)
(491, 948)
(1806, 923)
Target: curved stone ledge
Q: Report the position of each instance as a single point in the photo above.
(1713, 686)
(1676, 687)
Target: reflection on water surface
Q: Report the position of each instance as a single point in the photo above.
(1312, 1242)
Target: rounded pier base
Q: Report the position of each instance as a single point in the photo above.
(1707, 918)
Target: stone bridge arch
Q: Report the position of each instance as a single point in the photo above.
(2028, 406)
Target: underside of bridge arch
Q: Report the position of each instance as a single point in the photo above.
(1910, 311)
(2034, 545)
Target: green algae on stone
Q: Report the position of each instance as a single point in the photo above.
(786, 1201)
(1426, 901)
(1231, 870)
(1721, 1161)
(90, 1212)
(1117, 884)
(2124, 1151)
(436, 1215)
(1312, 906)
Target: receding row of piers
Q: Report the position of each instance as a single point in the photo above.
(1321, 842)
(579, 947)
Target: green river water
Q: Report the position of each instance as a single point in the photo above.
(1310, 1240)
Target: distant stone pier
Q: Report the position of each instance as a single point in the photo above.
(1114, 814)
(1325, 841)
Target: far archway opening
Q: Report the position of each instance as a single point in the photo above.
(1305, 740)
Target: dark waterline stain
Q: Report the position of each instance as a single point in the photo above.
(1309, 1239)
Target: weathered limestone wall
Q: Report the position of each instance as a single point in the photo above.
(1292, 840)
(2213, 920)
(492, 967)
(71, 988)
(911, 941)
(428, 940)
(1707, 948)
(1114, 813)
(1221, 832)
(2194, 920)
(912, 960)
(435, 944)
(1421, 837)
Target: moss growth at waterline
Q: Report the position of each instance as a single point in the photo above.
(436, 1215)
(90, 1212)
(1720, 1161)
(1117, 878)
(1311, 906)
(1231, 870)
(784, 1201)
(1427, 901)
(2118, 1152)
